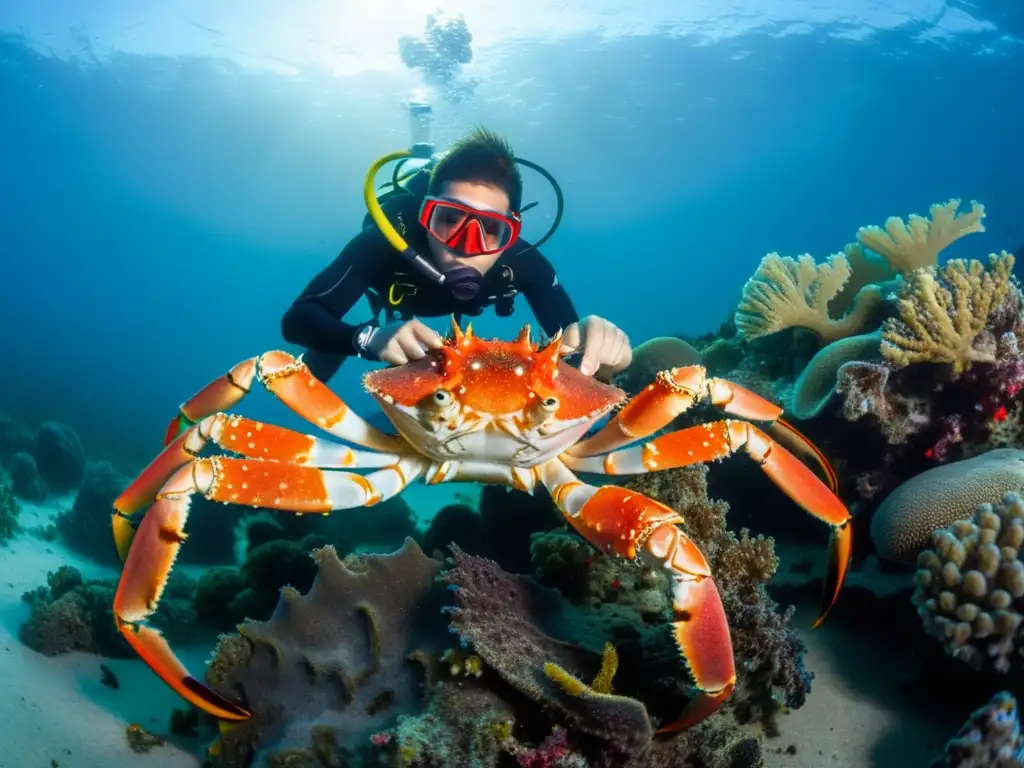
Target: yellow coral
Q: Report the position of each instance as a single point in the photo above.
(785, 292)
(908, 247)
(942, 312)
(602, 681)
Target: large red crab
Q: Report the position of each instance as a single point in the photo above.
(505, 412)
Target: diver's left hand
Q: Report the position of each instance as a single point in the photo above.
(606, 349)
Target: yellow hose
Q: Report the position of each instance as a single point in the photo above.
(376, 212)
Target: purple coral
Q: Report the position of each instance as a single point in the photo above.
(991, 738)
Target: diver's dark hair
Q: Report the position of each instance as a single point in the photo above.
(482, 157)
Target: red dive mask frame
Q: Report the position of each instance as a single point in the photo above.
(467, 230)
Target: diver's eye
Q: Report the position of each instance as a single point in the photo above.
(442, 397)
(550, 403)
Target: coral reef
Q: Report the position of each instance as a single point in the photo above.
(991, 738)
(85, 527)
(9, 510)
(903, 524)
(26, 481)
(74, 614)
(818, 381)
(348, 657)
(909, 247)
(497, 614)
(226, 595)
(786, 292)
(970, 586)
(769, 655)
(943, 313)
(59, 455)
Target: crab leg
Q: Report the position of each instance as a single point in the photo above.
(242, 436)
(718, 439)
(254, 482)
(627, 524)
(290, 380)
(675, 391)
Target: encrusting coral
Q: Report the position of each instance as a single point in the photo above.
(785, 292)
(908, 247)
(902, 525)
(346, 658)
(991, 738)
(970, 586)
(943, 312)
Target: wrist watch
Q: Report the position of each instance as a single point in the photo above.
(361, 338)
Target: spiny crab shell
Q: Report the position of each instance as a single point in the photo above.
(492, 400)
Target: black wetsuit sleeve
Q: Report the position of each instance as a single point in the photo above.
(314, 320)
(546, 296)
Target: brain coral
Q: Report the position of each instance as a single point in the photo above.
(970, 587)
(903, 523)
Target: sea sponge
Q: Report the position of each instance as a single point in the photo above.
(970, 586)
(903, 523)
(908, 248)
(348, 657)
(786, 293)
(942, 314)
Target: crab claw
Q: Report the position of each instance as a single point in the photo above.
(629, 524)
(146, 569)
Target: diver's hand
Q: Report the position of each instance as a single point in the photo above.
(402, 343)
(606, 349)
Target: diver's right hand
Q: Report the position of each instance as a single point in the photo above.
(402, 343)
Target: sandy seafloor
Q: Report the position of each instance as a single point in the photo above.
(56, 713)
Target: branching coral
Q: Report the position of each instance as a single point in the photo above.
(785, 292)
(911, 247)
(942, 313)
(970, 586)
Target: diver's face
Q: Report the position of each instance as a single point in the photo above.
(477, 195)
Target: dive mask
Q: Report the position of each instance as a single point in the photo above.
(466, 230)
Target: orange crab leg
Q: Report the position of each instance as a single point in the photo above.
(290, 380)
(675, 391)
(716, 440)
(220, 394)
(254, 482)
(628, 524)
(243, 436)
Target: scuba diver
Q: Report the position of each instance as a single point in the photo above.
(443, 241)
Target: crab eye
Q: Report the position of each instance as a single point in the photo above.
(442, 397)
(550, 403)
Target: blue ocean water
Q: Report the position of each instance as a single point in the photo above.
(172, 176)
(173, 173)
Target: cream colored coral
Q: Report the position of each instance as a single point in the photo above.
(908, 247)
(785, 293)
(970, 586)
(942, 312)
(903, 523)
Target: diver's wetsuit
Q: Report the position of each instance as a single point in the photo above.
(370, 266)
